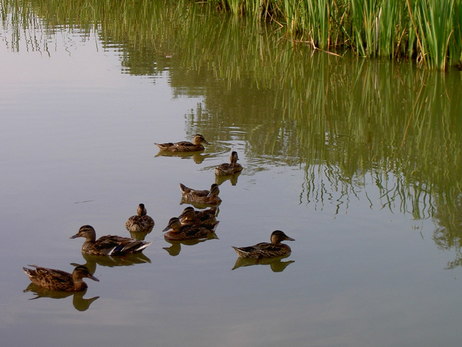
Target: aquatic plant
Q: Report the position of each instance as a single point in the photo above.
(427, 30)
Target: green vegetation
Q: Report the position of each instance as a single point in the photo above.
(426, 30)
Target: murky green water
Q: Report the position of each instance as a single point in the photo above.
(359, 161)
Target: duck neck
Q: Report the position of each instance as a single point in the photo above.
(79, 284)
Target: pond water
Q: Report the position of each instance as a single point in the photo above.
(359, 161)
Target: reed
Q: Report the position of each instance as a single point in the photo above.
(427, 30)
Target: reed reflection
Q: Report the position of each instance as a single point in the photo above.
(78, 301)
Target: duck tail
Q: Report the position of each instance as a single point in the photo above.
(184, 189)
(240, 252)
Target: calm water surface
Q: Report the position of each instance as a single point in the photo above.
(359, 161)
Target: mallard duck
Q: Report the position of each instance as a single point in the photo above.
(59, 280)
(206, 218)
(109, 244)
(184, 146)
(176, 231)
(230, 168)
(141, 222)
(205, 197)
(265, 249)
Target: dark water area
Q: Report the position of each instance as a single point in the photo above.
(358, 160)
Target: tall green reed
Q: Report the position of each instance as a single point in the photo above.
(426, 30)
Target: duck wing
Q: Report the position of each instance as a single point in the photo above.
(119, 245)
(49, 278)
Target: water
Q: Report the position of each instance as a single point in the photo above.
(359, 161)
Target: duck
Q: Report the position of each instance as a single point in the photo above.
(230, 168)
(202, 197)
(59, 280)
(206, 218)
(108, 244)
(184, 146)
(175, 231)
(265, 249)
(141, 222)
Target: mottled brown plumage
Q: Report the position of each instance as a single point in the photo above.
(265, 249)
(59, 280)
(205, 218)
(184, 146)
(202, 197)
(109, 244)
(141, 222)
(176, 231)
(230, 168)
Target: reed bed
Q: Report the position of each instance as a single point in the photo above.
(428, 31)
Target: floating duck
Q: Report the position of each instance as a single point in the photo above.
(205, 218)
(176, 231)
(59, 280)
(265, 249)
(184, 146)
(109, 244)
(141, 222)
(230, 168)
(201, 197)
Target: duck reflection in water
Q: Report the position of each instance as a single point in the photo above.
(198, 157)
(231, 178)
(276, 264)
(79, 302)
(125, 260)
(175, 247)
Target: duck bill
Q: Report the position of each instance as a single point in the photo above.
(166, 229)
(93, 278)
(289, 239)
(75, 236)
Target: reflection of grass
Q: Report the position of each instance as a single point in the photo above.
(341, 121)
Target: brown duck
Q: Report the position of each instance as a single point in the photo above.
(184, 146)
(59, 280)
(202, 197)
(141, 222)
(230, 168)
(265, 249)
(178, 232)
(109, 244)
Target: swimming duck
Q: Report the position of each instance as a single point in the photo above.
(109, 244)
(141, 222)
(206, 218)
(205, 197)
(59, 280)
(265, 249)
(184, 146)
(176, 231)
(230, 168)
